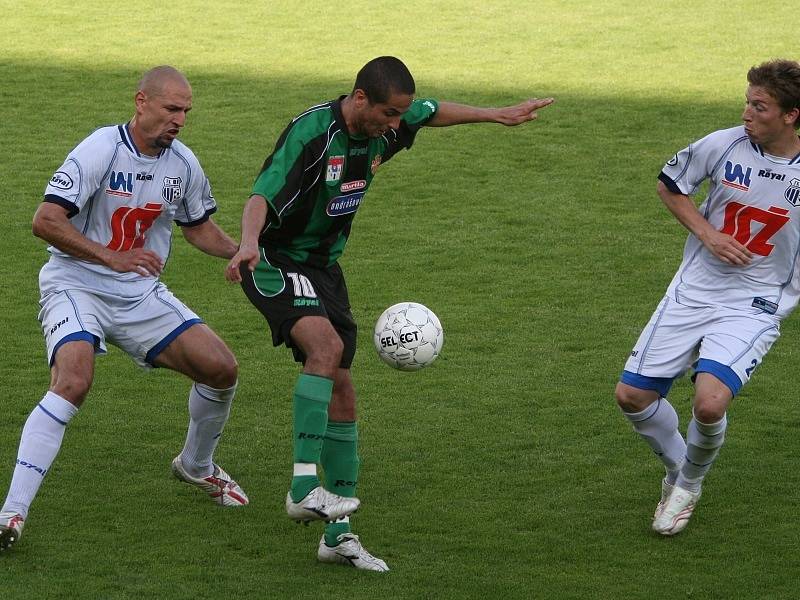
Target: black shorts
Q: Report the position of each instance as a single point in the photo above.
(284, 291)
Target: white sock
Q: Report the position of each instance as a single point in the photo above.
(38, 447)
(703, 442)
(658, 425)
(208, 412)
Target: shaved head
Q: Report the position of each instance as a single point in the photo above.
(156, 79)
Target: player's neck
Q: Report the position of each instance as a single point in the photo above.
(141, 142)
(348, 113)
(785, 147)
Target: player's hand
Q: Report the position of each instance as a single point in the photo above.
(726, 248)
(248, 255)
(522, 112)
(141, 261)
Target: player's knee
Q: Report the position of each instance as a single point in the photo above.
(226, 374)
(633, 400)
(327, 354)
(709, 409)
(73, 387)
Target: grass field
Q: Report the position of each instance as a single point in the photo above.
(504, 470)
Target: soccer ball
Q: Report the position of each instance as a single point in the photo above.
(408, 336)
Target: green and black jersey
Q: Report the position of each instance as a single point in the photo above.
(316, 178)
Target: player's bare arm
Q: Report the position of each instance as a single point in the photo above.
(721, 245)
(209, 238)
(451, 113)
(51, 224)
(254, 217)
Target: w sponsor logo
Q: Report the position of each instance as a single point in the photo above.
(736, 176)
(120, 184)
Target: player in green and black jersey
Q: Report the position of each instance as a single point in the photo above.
(294, 229)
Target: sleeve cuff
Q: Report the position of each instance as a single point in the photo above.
(71, 208)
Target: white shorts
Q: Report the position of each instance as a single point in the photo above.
(142, 327)
(725, 342)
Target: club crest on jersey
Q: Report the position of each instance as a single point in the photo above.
(120, 184)
(737, 177)
(335, 167)
(61, 180)
(792, 193)
(344, 205)
(172, 189)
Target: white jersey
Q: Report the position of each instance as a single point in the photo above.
(123, 199)
(753, 197)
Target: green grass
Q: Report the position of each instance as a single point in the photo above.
(504, 470)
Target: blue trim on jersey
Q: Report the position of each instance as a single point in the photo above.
(722, 372)
(70, 207)
(51, 415)
(659, 384)
(159, 347)
(199, 221)
(78, 336)
(123, 136)
(671, 185)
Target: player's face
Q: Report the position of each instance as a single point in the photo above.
(373, 120)
(765, 122)
(160, 118)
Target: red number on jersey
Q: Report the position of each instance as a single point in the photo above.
(129, 224)
(738, 224)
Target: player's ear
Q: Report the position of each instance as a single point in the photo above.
(360, 97)
(793, 116)
(139, 100)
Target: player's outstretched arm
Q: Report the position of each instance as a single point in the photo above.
(254, 217)
(721, 245)
(450, 113)
(52, 225)
(209, 238)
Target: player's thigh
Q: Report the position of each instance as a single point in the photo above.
(202, 356)
(73, 315)
(669, 342)
(145, 328)
(735, 345)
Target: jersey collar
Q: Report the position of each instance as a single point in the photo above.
(127, 139)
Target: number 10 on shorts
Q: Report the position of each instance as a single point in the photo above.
(302, 286)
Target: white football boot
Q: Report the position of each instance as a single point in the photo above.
(11, 525)
(320, 505)
(666, 490)
(350, 552)
(219, 485)
(675, 515)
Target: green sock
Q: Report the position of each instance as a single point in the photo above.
(340, 462)
(312, 394)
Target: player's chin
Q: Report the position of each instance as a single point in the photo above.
(165, 141)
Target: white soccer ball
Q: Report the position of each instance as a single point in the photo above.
(408, 336)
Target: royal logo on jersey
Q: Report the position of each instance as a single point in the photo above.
(61, 180)
(376, 162)
(344, 205)
(120, 184)
(335, 167)
(769, 174)
(172, 189)
(349, 186)
(736, 176)
(792, 193)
